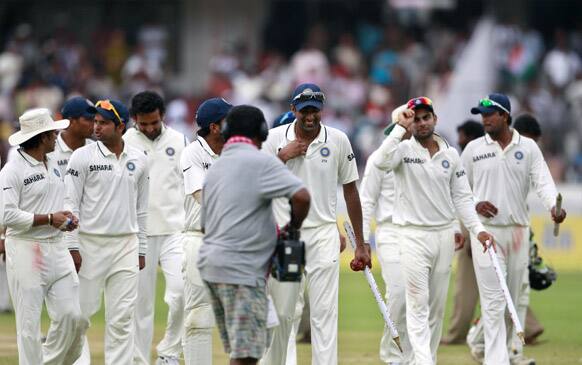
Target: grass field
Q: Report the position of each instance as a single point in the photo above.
(360, 326)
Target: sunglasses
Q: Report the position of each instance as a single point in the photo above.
(422, 100)
(106, 104)
(488, 103)
(309, 94)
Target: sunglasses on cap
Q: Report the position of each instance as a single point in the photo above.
(309, 94)
(488, 103)
(106, 104)
(422, 100)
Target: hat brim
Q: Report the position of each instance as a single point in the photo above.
(19, 137)
(314, 103)
(484, 110)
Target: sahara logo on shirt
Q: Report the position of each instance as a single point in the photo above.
(34, 178)
(205, 165)
(72, 172)
(483, 156)
(62, 162)
(351, 156)
(414, 160)
(100, 168)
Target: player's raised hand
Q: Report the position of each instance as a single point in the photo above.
(405, 118)
(293, 149)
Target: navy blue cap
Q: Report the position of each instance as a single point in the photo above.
(302, 103)
(502, 101)
(78, 107)
(212, 111)
(283, 119)
(108, 114)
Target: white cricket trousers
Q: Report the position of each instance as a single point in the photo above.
(322, 282)
(427, 254)
(5, 304)
(389, 256)
(110, 269)
(512, 249)
(44, 271)
(166, 251)
(198, 314)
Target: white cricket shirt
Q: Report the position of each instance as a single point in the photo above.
(195, 162)
(29, 188)
(166, 200)
(62, 153)
(329, 162)
(504, 177)
(429, 190)
(109, 195)
(376, 195)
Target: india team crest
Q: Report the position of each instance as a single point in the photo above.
(170, 151)
(519, 155)
(325, 152)
(130, 166)
(446, 164)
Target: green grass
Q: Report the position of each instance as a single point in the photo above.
(558, 309)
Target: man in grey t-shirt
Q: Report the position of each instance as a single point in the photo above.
(240, 231)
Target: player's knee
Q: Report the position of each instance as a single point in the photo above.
(199, 318)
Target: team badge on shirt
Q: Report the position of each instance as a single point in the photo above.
(57, 172)
(446, 164)
(130, 166)
(170, 151)
(519, 155)
(325, 152)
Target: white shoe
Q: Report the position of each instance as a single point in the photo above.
(167, 360)
(522, 360)
(478, 355)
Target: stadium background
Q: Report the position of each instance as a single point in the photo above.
(369, 57)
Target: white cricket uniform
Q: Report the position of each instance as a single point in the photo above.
(429, 190)
(199, 321)
(329, 162)
(39, 266)
(110, 197)
(62, 153)
(5, 303)
(504, 178)
(377, 197)
(165, 224)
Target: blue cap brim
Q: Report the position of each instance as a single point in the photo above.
(313, 103)
(483, 110)
(107, 114)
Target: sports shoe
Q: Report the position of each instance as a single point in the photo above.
(522, 360)
(478, 355)
(167, 360)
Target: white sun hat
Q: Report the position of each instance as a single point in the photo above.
(33, 122)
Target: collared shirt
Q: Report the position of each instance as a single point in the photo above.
(108, 194)
(429, 190)
(195, 162)
(62, 153)
(376, 195)
(329, 162)
(166, 199)
(29, 188)
(504, 177)
(237, 215)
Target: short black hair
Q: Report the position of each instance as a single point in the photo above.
(34, 141)
(528, 124)
(245, 120)
(472, 129)
(147, 102)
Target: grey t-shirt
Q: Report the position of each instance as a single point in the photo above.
(240, 233)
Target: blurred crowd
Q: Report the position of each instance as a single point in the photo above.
(365, 74)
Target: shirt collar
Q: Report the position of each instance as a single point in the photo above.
(106, 152)
(290, 132)
(28, 158)
(443, 144)
(206, 146)
(63, 146)
(515, 137)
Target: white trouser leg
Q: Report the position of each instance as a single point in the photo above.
(426, 258)
(388, 251)
(198, 315)
(292, 346)
(110, 266)
(5, 304)
(38, 271)
(171, 257)
(144, 309)
(522, 305)
(512, 252)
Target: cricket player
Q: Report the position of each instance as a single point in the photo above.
(38, 263)
(430, 189)
(501, 167)
(322, 158)
(195, 162)
(107, 187)
(163, 147)
(377, 195)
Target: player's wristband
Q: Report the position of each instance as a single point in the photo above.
(50, 219)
